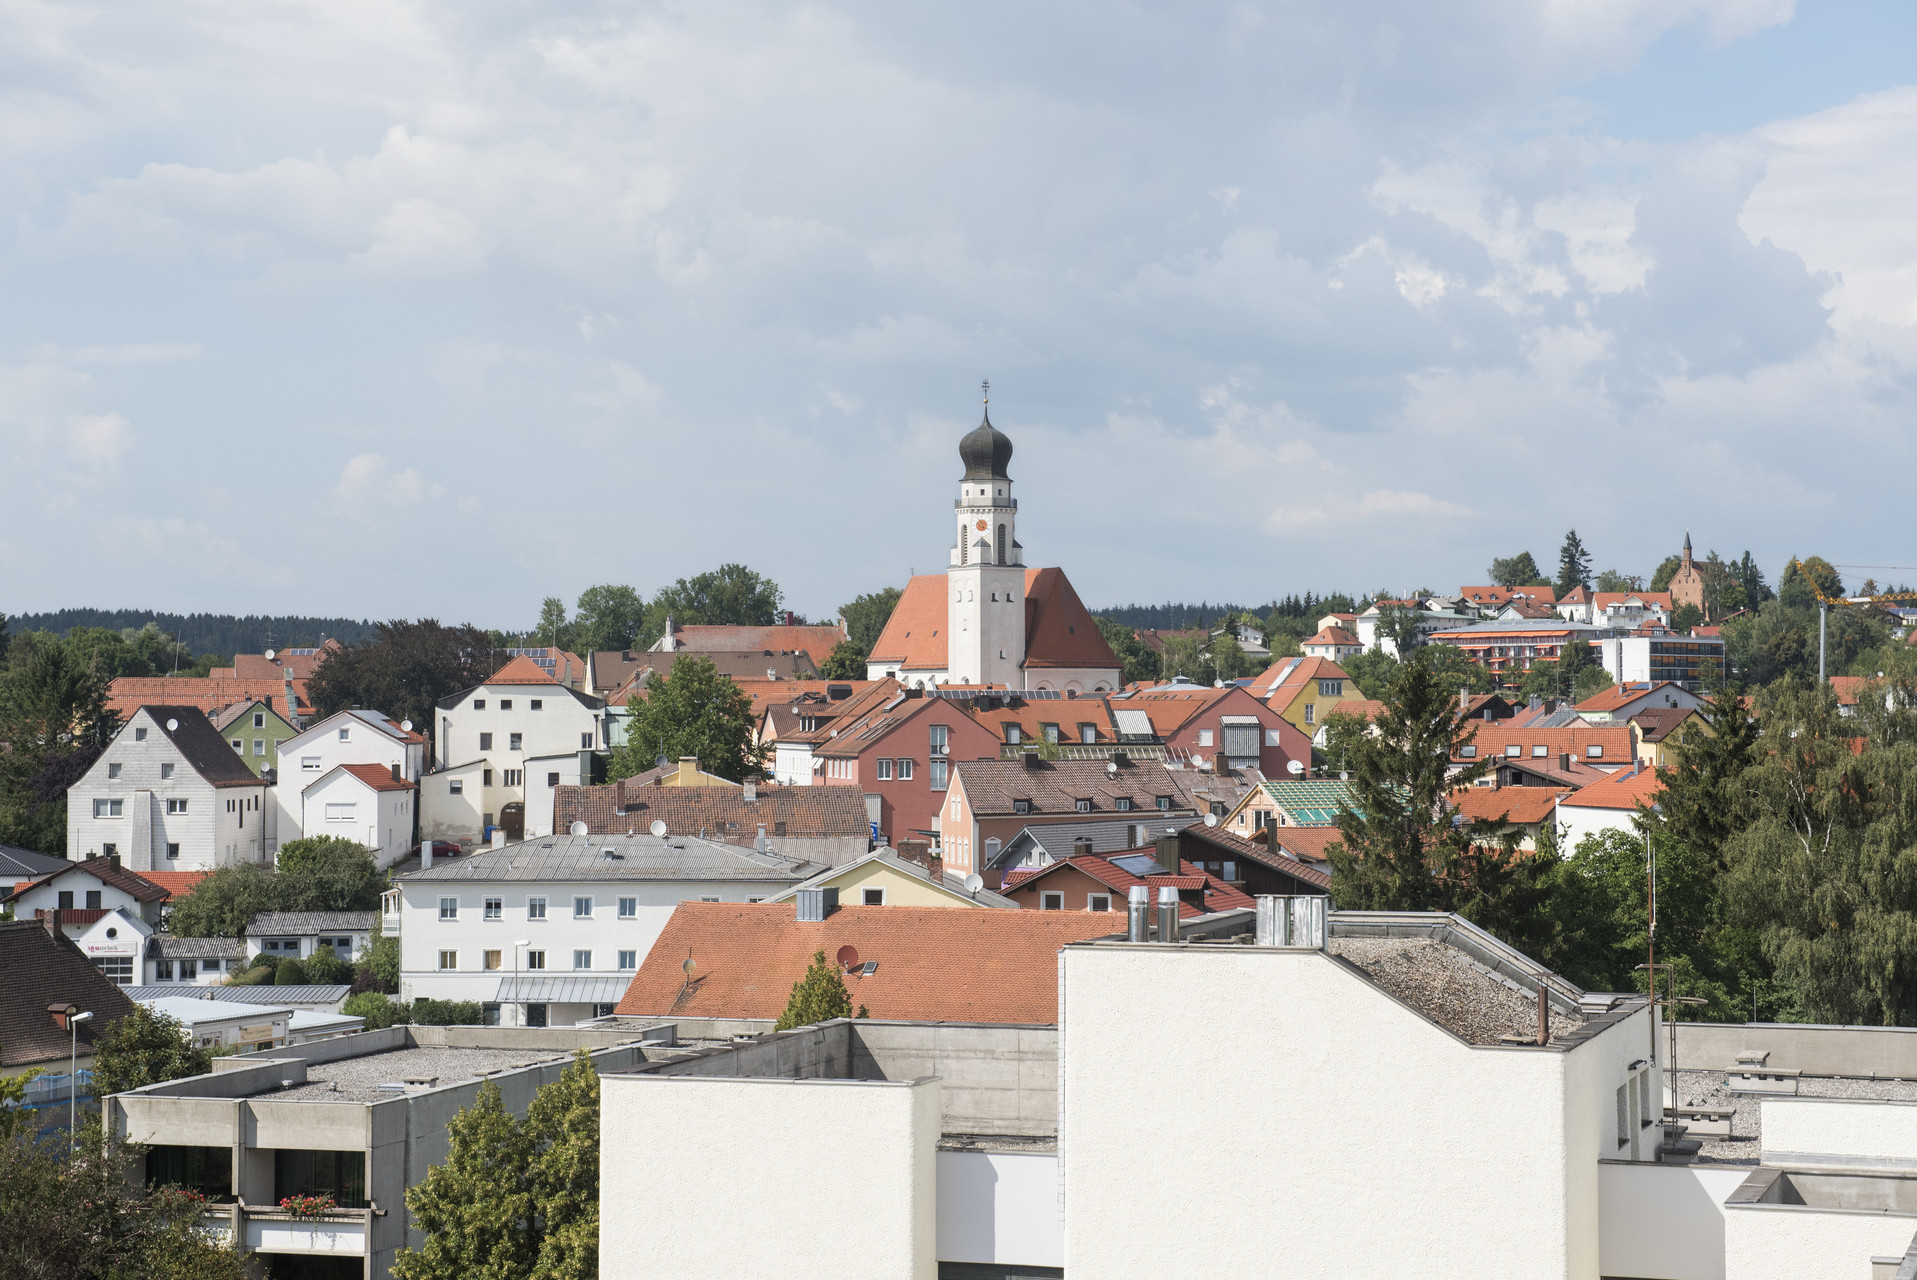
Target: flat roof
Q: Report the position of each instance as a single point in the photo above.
(359, 1079)
(1450, 988)
(1712, 1089)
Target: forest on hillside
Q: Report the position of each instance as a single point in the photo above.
(216, 633)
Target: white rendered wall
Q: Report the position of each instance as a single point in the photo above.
(1002, 1207)
(981, 627)
(1787, 1242)
(792, 765)
(1578, 821)
(1664, 1220)
(1838, 1133)
(322, 745)
(448, 815)
(540, 793)
(721, 1177)
(208, 836)
(1077, 679)
(1393, 1147)
(382, 820)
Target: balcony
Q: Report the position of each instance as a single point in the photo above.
(271, 1229)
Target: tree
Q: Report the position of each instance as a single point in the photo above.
(1574, 565)
(404, 670)
(290, 972)
(1801, 580)
(819, 996)
(319, 873)
(609, 618)
(54, 720)
(731, 595)
(1136, 662)
(1773, 643)
(1519, 570)
(378, 968)
(1398, 849)
(1666, 570)
(1612, 580)
(1686, 616)
(1702, 789)
(845, 662)
(1400, 625)
(1454, 669)
(866, 616)
(1371, 671)
(1184, 655)
(692, 710)
(427, 1012)
(562, 1130)
(1751, 579)
(1228, 658)
(144, 1048)
(1590, 682)
(324, 968)
(553, 629)
(221, 903)
(475, 1208)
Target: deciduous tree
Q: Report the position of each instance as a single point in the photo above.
(866, 616)
(475, 1208)
(609, 618)
(143, 1048)
(319, 873)
(692, 710)
(562, 1129)
(1519, 570)
(845, 662)
(54, 721)
(404, 670)
(731, 595)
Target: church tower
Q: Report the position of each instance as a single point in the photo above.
(985, 624)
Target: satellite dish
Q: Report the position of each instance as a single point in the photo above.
(688, 965)
(974, 882)
(1111, 768)
(405, 726)
(1211, 819)
(1296, 768)
(577, 828)
(269, 655)
(172, 726)
(848, 957)
(658, 828)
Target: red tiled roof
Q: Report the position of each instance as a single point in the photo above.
(797, 813)
(1622, 695)
(934, 964)
(1604, 599)
(131, 883)
(176, 883)
(377, 778)
(520, 670)
(1507, 804)
(1305, 843)
(1332, 635)
(1493, 736)
(1625, 789)
(1059, 630)
(1847, 688)
(1289, 673)
(1368, 708)
(127, 694)
(816, 643)
(1218, 895)
(1499, 595)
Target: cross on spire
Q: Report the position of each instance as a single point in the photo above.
(985, 390)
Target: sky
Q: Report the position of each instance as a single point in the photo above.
(418, 309)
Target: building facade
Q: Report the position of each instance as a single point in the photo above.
(169, 794)
(255, 731)
(345, 738)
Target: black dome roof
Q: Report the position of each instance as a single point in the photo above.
(985, 451)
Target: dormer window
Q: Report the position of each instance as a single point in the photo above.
(1013, 735)
(1021, 806)
(1164, 802)
(1082, 805)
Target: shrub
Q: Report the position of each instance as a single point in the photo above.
(447, 1013)
(253, 977)
(378, 1011)
(289, 973)
(819, 996)
(326, 968)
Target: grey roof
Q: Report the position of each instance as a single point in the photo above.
(1107, 836)
(19, 864)
(892, 858)
(618, 857)
(202, 746)
(280, 924)
(266, 993)
(164, 946)
(563, 988)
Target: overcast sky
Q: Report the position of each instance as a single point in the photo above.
(388, 309)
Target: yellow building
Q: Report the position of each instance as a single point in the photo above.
(687, 774)
(1657, 731)
(1305, 690)
(884, 879)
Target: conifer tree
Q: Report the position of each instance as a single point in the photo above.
(562, 1129)
(1574, 565)
(817, 997)
(475, 1207)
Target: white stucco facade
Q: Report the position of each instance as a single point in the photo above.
(144, 800)
(350, 737)
(342, 803)
(768, 1177)
(1575, 822)
(490, 737)
(1319, 1070)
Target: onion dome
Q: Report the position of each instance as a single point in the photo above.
(985, 451)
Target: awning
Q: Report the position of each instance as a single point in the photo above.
(562, 989)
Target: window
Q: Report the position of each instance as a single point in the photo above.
(239, 746)
(1311, 713)
(449, 959)
(65, 900)
(513, 740)
(107, 808)
(1012, 734)
(259, 720)
(582, 959)
(93, 899)
(139, 734)
(173, 849)
(1468, 750)
(1511, 750)
(585, 740)
(1051, 902)
(1595, 751)
(1049, 732)
(582, 908)
(1021, 806)
(346, 735)
(457, 787)
(485, 742)
(479, 704)
(342, 812)
(938, 739)
(939, 771)
(628, 959)
(1540, 750)
(536, 1013)
(628, 908)
(1082, 805)
(118, 969)
(535, 959)
(1088, 733)
(535, 908)
(552, 779)
(905, 769)
(449, 908)
(491, 960)
(505, 704)
(486, 780)
(494, 909)
(113, 771)
(1204, 737)
(511, 777)
(166, 770)
(1098, 902)
(1164, 802)
(486, 820)
(109, 849)
(163, 971)
(1271, 738)
(873, 898)
(537, 703)
(309, 764)
(885, 770)
(1123, 803)
(1623, 1116)
(259, 746)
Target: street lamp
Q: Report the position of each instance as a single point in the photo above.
(521, 1002)
(73, 1076)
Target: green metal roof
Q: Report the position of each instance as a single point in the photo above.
(1312, 803)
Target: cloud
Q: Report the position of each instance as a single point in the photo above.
(369, 480)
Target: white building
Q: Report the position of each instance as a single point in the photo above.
(220, 1023)
(363, 803)
(168, 794)
(1430, 622)
(550, 931)
(1663, 655)
(489, 738)
(348, 737)
(115, 943)
(296, 935)
(204, 962)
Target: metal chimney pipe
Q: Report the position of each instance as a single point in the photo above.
(1274, 921)
(1139, 907)
(1167, 914)
(1544, 1017)
(426, 855)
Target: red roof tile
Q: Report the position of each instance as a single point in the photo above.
(176, 883)
(934, 964)
(1625, 789)
(1622, 695)
(1507, 804)
(520, 670)
(816, 643)
(1059, 630)
(1493, 736)
(377, 778)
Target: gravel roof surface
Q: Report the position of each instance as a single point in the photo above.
(359, 1079)
(1446, 986)
(1709, 1089)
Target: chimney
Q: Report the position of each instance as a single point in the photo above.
(1564, 761)
(1168, 852)
(1544, 1016)
(1167, 914)
(425, 855)
(816, 904)
(1220, 763)
(1464, 697)
(751, 793)
(113, 860)
(1138, 909)
(1081, 848)
(396, 777)
(759, 841)
(688, 771)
